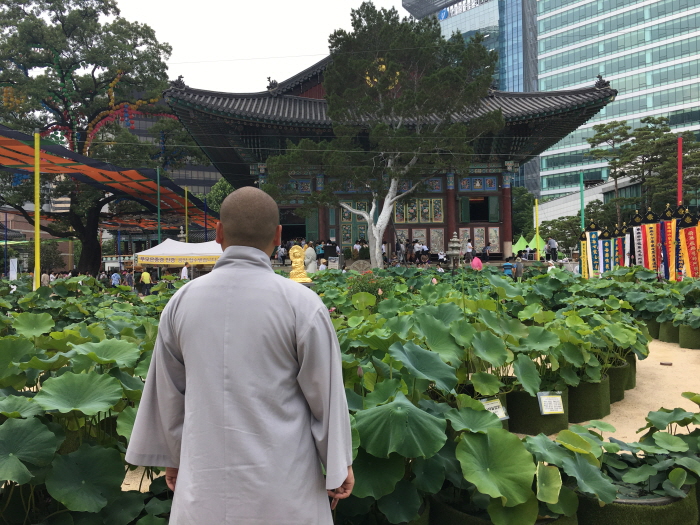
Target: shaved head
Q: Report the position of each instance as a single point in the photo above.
(249, 217)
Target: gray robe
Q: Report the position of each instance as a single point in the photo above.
(245, 395)
(310, 260)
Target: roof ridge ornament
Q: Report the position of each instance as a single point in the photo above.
(602, 83)
(272, 84)
(179, 83)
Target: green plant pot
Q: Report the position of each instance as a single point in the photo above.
(525, 417)
(656, 511)
(619, 377)
(443, 514)
(424, 518)
(668, 333)
(632, 375)
(653, 327)
(689, 337)
(589, 401)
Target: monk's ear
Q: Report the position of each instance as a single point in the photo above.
(220, 233)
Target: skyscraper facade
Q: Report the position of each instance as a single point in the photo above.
(649, 50)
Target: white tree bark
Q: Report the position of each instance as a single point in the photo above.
(375, 231)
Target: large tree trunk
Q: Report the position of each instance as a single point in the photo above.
(90, 256)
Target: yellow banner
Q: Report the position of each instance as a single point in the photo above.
(176, 260)
(584, 260)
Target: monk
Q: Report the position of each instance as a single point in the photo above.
(244, 401)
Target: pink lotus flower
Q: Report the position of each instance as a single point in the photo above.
(434, 280)
(360, 372)
(331, 310)
(476, 264)
(379, 292)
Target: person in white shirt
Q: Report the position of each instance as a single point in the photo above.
(469, 251)
(322, 266)
(185, 273)
(441, 256)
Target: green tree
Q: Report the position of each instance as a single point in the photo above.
(523, 204)
(74, 67)
(51, 258)
(217, 194)
(652, 159)
(608, 145)
(393, 90)
(566, 230)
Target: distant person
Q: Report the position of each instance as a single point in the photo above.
(322, 266)
(528, 252)
(116, 279)
(45, 278)
(550, 266)
(145, 282)
(469, 251)
(310, 258)
(519, 268)
(486, 252)
(129, 279)
(185, 273)
(281, 254)
(552, 248)
(508, 268)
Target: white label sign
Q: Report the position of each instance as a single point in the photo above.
(493, 404)
(550, 403)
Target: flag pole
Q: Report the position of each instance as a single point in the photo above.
(37, 211)
(537, 229)
(206, 236)
(158, 197)
(583, 222)
(680, 171)
(187, 222)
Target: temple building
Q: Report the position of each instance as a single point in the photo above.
(238, 131)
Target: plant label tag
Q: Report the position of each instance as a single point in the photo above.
(493, 404)
(550, 403)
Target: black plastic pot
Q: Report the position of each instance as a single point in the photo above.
(653, 327)
(632, 376)
(589, 401)
(668, 333)
(443, 514)
(619, 377)
(656, 511)
(689, 337)
(525, 417)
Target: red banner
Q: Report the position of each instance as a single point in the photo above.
(689, 247)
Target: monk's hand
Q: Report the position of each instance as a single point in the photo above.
(344, 490)
(171, 477)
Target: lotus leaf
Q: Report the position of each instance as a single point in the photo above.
(88, 393)
(690, 463)
(400, 325)
(695, 398)
(589, 478)
(158, 506)
(438, 338)
(539, 339)
(548, 483)
(523, 514)
(447, 313)
(33, 325)
(25, 441)
(486, 384)
(498, 464)
(108, 351)
(402, 504)
(424, 364)
(473, 420)
(12, 349)
(125, 422)
(490, 348)
(376, 477)
(544, 449)
(669, 442)
(463, 332)
(639, 475)
(663, 418)
(363, 300)
(123, 509)
(567, 504)
(383, 391)
(430, 474)
(400, 427)
(19, 406)
(43, 362)
(526, 372)
(85, 480)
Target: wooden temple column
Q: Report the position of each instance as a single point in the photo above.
(450, 207)
(322, 223)
(506, 206)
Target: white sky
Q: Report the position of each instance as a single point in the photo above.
(234, 45)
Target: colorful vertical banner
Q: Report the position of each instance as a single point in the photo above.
(606, 251)
(663, 232)
(651, 240)
(593, 254)
(678, 215)
(690, 245)
(585, 273)
(628, 246)
(638, 246)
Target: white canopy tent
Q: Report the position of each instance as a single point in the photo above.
(176, 253)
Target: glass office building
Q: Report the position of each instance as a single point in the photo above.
(649, 50)
(509, 27)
